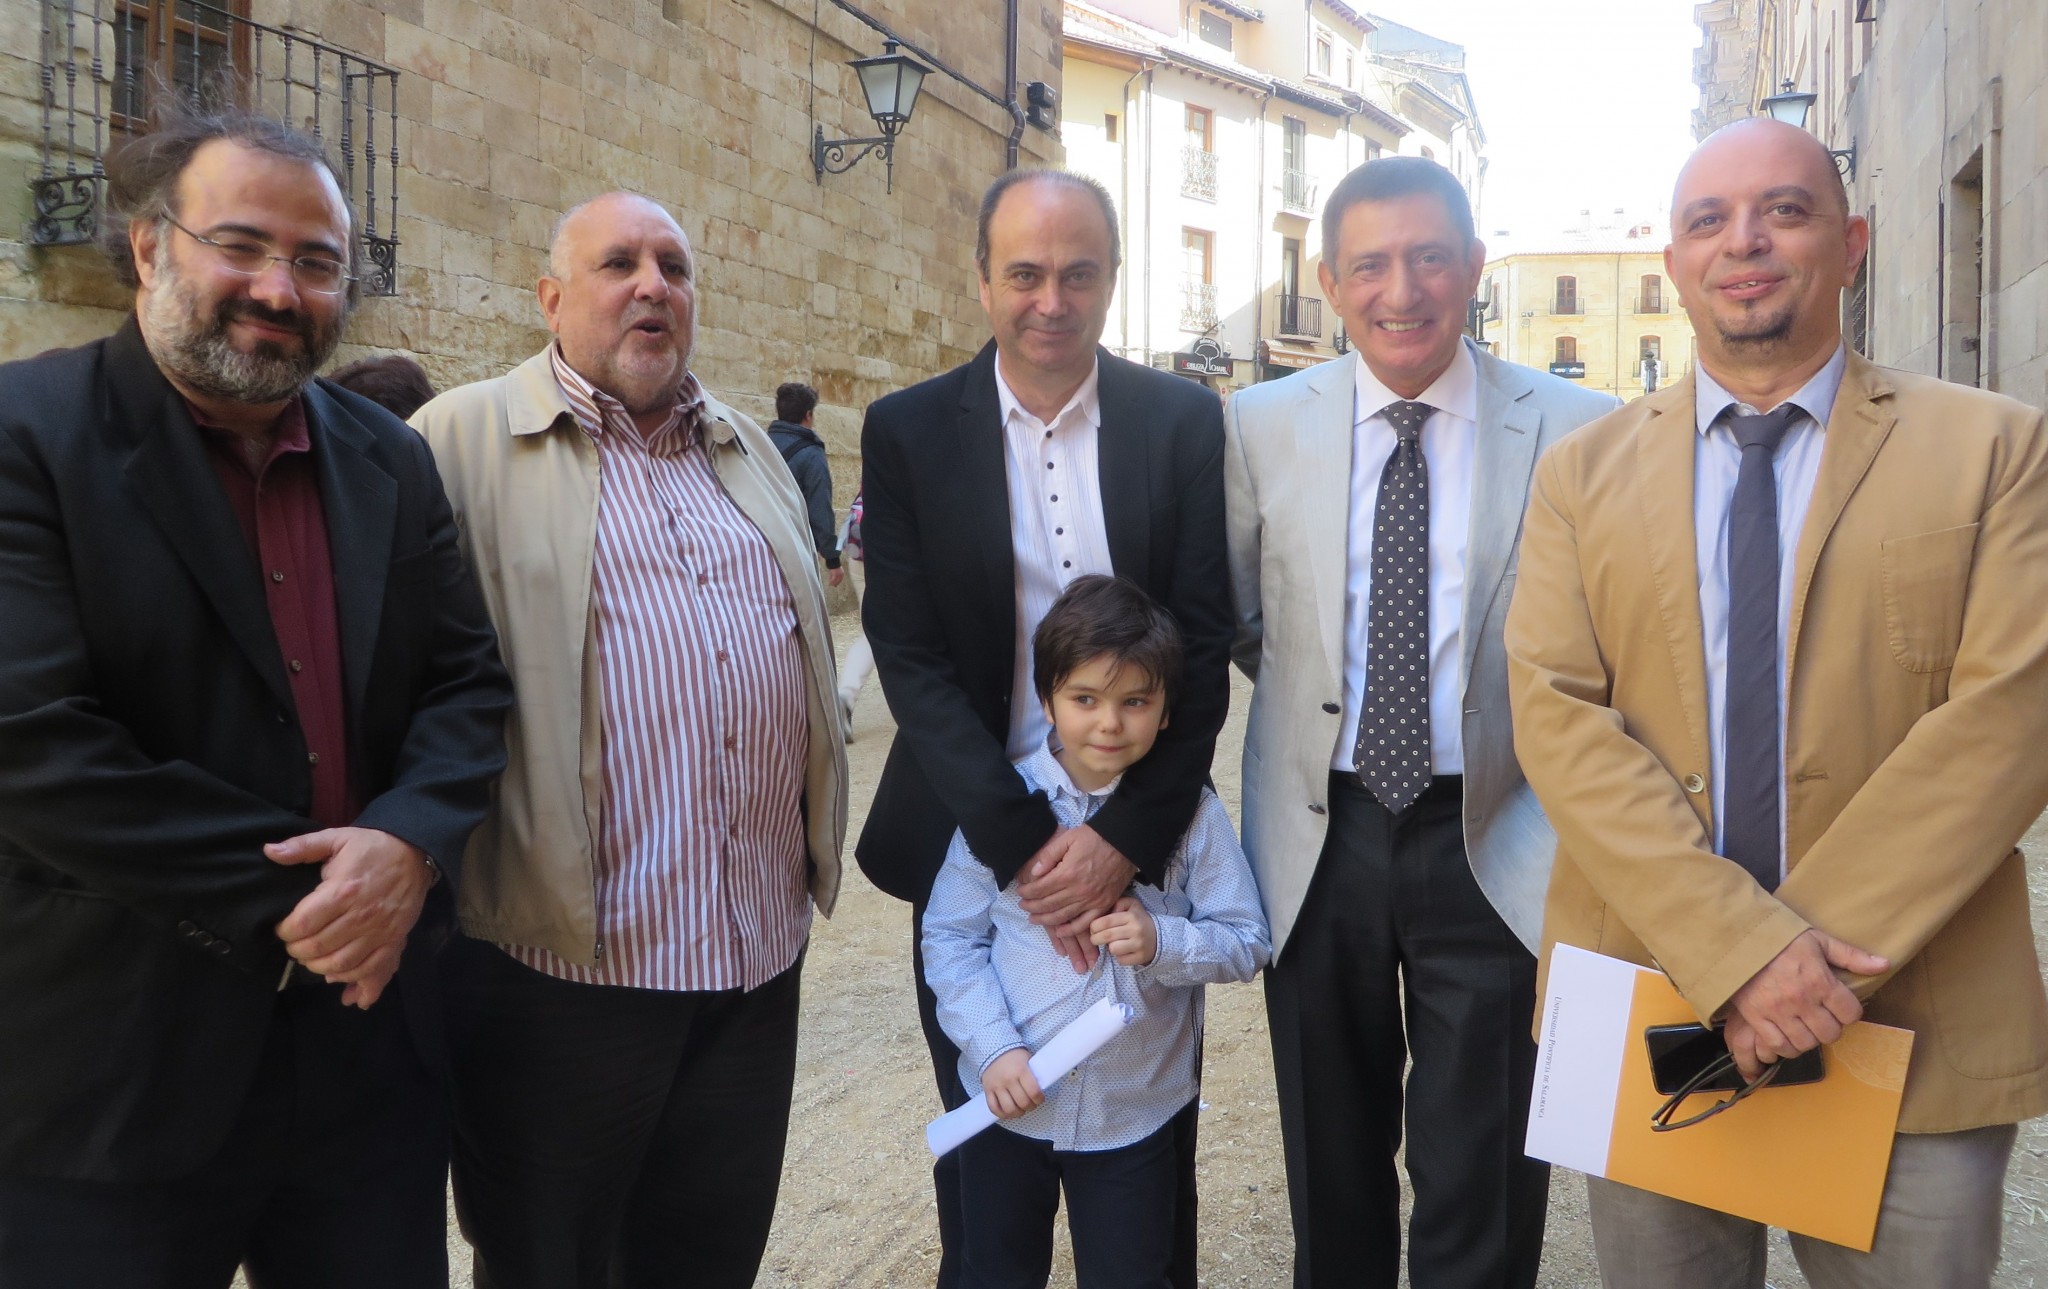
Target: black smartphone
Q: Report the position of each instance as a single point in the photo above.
(1679, 1052)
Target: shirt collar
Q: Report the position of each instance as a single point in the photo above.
(1086, 399)
(1455, 391)
(594, 408)
(288, 433)
(1045, 771)
(1816, 397)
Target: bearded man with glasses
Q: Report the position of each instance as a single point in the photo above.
(250, 710)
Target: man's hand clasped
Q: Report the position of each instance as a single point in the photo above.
(1796, 1003)
(1074, 879)
(351, 929)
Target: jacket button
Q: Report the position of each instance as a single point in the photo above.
(1316, 809)
(1332, 708)
(1695, 784)
(187, 928)
(221, 947)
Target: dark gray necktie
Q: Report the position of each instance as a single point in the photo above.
(1392, 752)
(1755, 761)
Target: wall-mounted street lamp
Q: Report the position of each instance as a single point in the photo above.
(891, 83)
(1791, 107)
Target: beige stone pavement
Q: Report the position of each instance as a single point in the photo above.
(856, 1205)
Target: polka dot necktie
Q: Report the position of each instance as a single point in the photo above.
(1751, 834)
(1392, 753)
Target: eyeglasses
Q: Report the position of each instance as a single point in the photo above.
(1714, 1069)
(315, 273)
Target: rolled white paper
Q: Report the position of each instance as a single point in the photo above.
(1081, 1038)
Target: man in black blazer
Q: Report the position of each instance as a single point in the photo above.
(250, 710)
(970, 534)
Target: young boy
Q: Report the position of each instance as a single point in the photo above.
(1106, 661)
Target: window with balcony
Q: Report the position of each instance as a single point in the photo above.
(1325, 50)
(1567, 351)
(1198, 279)
(105, 60)
(1300, 315)
(1296, 192)
(1651, 298)
(1198, 155)
(1213, 28)
(1566, 299)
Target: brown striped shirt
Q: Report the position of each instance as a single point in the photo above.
(701, 880)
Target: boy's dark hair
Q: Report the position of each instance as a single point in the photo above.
(392, 381)
(794, 400)
(1099, 615)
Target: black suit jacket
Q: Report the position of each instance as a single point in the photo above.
(940, 613)
(149, 747)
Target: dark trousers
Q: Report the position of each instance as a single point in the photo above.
(1394, 921)
(332, 1177)
(1120, 1210)
(946, 1170)
(613, 1138)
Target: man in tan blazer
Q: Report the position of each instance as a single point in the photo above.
(1831, 836)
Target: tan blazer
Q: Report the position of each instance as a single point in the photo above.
(523, 479)
(1916, 748)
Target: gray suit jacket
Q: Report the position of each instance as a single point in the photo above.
(1287, 461)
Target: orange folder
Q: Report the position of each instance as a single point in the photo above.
(1810, 1158)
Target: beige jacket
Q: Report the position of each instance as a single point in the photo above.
(1916, 717)
(523, 479)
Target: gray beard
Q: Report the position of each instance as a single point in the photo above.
(196, 349)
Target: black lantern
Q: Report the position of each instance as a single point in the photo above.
(890, 83)
(1791, 107)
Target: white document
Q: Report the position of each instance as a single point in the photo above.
(1578, 1058)
(1081, 1039)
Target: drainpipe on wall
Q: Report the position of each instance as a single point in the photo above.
(1149, 101)
(1993, 195)
(1123, 202)
(1010, 88)
(1259, 251)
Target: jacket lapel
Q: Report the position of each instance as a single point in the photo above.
(1856, 429)
(1665, 461)
(1323, 442)
(1122, 452)
(1504, 454)
(168, 470)
(361, 505)
(983, 484)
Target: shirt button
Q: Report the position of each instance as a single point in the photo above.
(731, 742)
(1055, 496)
(703, 579)
(312, 758)
(1059, 532)
(1694, 783)
(721, 655)
(276, 575)
(1048, 465)
(1066, 563)
(297, 666)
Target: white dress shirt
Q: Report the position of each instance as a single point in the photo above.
(1056, 528)
(1716, 462)
(1447, 446)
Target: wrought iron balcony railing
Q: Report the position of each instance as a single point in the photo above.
(1198, 173)
(1568, 306)
(1296, 192)
(1650, 304)
(1197, 305)
(1301, 315)
(103, 59)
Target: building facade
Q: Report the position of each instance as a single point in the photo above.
(1220, 129)
(1591, 305)
(467, 126)
(1938, 112)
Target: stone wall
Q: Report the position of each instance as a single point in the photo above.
(512, 110)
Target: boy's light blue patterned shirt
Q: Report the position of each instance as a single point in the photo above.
(1001, 984)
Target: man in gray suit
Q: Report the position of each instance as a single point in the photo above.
(1374, 508)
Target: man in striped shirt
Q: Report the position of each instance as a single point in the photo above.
(624, 1008)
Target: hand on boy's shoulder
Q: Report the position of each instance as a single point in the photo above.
(1128, 932)
(1012, 1089)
